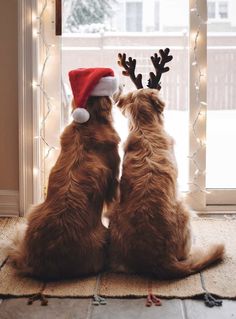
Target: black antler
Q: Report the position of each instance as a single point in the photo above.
(159, 65)
(129, 67)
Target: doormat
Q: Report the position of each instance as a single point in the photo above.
(219, 279)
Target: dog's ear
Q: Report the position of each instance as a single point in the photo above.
(156, 102)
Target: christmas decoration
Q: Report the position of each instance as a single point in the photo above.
(87, 82)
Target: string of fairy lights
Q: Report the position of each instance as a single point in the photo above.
(200, 79)
(46, 100)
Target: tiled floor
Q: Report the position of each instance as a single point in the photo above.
(17, 308)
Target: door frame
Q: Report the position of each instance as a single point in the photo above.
(25, 98)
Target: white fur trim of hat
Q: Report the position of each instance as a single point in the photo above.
(105, 87)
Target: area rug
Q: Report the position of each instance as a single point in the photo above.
(219, 280)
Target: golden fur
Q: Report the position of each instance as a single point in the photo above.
(65, 237)
(149, 225)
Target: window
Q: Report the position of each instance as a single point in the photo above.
(156, 16)
(211, 10)
(217, 10)
(134, 16)
(223, 10)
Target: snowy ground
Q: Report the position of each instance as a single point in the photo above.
(221, 145)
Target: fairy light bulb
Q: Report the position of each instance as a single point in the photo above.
(35, 171)
(34, 84)
(35, 33)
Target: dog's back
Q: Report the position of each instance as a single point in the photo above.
(140, 221)
(150, 230)
(65, 236)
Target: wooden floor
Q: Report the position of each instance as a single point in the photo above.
(66, 308)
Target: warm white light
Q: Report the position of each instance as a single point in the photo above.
(35, 171)
(196, 172)
(203, 74)
(193, 35)
(34, 84)
(35, 33)
(203, 142)
(34, 16)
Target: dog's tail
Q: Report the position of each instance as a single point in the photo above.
(196, 261)
(13, 249)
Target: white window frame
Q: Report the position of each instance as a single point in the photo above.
(29, 119)
(30, 97)
(205, 199)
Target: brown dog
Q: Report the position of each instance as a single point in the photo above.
(65, 237)
(149, 225)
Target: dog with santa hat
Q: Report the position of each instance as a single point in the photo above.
(64, 236)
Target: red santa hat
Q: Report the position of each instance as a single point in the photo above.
(86, 82)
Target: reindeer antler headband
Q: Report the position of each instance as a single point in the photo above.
(158, 63)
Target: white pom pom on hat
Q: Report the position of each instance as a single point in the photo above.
(80, 115)
(87, 82)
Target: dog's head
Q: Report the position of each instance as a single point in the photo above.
(99, 108)
(142, 107)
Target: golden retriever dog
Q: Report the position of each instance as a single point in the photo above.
(64, 236)
(149, 227)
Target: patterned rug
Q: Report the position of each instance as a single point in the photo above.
(219, 280)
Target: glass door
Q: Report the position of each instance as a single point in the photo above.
(221, 113)
(200, 98)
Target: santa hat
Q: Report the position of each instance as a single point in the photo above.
(86, 82)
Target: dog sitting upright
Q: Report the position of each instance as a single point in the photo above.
(149, 226)
(64, 236)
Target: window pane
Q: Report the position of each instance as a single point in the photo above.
(223, 10)
(221, 115)
(134, 16)
(157, 16)
(211, 7)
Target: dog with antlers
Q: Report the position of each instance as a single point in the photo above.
(64, 236)
(150, 229)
